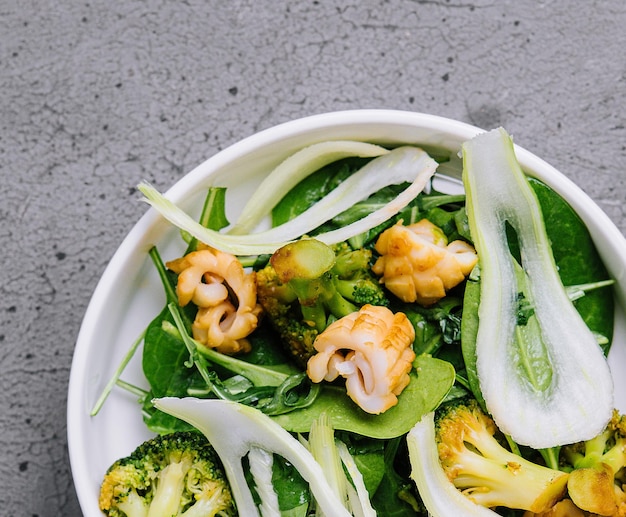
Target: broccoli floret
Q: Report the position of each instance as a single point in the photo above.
(596, 481)
(280, 306)
(178, 474)
(307, 285)
(487, 473)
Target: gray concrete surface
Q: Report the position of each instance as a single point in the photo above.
(96, 96)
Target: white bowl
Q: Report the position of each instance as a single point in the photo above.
(129, 295)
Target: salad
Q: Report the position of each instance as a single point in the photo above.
(260, 341)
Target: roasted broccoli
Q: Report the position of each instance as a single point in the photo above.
(307, 285)
(596, 483)
(177, 474)
(486, 472)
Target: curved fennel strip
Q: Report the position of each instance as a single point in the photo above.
(233, 430)
(439, 495)
(261, 464)
(294, 169)
(404, 164)
(358, 496)
(572, 399)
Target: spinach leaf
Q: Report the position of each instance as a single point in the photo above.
(164, 365)
(292, 490)
(430, 382)
(469, 331)
(313, 188)
(578, 260)
(396, 495)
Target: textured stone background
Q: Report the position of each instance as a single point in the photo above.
(96, 96)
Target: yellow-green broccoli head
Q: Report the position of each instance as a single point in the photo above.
(169, 474)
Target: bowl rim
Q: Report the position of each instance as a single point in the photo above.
(590, 212)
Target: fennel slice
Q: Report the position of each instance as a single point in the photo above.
(578, 400)
(438, 493)
(404, 164)
(233, 430)
(294, 169)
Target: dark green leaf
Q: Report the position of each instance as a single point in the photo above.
(430, 382)
(396, 495)
(292, 490)
(577, 259)
(313, 188)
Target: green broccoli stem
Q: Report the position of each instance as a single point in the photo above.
(169, 490)
(354, 261)
(346, 288)
(340, 306)
(318, 297)
(551, 457)
(614, 457)
(487, 472)
(512, 480)
(597, 451)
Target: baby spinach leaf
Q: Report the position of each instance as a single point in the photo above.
(163, 363)
(430, 382)
(164, 358)
(395, 496)
(313, 188)
(469, 331)
(577, 259)
(292, 490)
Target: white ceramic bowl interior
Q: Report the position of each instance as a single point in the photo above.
(129, 295)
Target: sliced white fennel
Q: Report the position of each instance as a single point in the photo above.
(234, 430)
(358, 496)
(402, 165)
(336, 460)
(261, 463)
(322, 447)
(565, 394)
(438, 493)
(293, 170)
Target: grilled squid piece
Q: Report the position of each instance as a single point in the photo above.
(225, 295)
(372, 350)
(418, 265)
